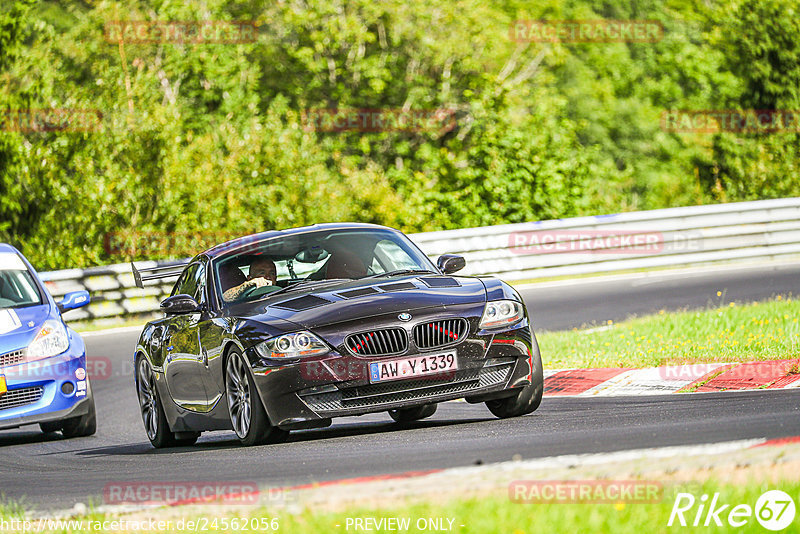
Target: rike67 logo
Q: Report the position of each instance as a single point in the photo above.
(774, 510)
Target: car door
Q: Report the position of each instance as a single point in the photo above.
(211, 331)
(184, 367)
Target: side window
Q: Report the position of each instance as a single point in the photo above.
(200, 285)
(187, 283)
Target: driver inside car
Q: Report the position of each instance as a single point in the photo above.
(262, 273)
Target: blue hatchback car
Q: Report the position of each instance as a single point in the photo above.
(43, 376)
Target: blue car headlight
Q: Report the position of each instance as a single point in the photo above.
(295, 345)
(51, 340)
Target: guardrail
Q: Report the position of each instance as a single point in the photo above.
(671, 237)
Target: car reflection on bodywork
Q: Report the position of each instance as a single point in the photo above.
(358, 320)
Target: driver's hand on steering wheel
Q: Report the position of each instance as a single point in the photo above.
(259, 282)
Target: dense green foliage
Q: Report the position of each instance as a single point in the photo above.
(212, 138)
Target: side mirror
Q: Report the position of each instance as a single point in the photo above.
(450, 263)
(74, 299)
(177, 304)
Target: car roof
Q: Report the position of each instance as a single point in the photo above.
(5, 247)
(255, 238)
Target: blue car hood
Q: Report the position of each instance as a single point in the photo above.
(15, 330)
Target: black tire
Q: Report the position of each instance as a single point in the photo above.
(52, 426)
(245, 409)
(186, 440)
(81, 426)
(155, 422)
(526, 400)
(408, 415)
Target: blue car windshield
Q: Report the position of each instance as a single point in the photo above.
(17, 287)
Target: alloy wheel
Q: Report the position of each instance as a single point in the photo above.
(238, 392)
(147, 399)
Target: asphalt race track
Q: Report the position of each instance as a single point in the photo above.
(558, 306)
(49, 472)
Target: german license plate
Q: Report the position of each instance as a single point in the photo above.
(427, 364)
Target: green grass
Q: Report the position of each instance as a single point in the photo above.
(499, 515)
(729, 333)
(490, 514)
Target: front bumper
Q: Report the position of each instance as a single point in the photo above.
(35, 392)
(309, 393)
(358, 400)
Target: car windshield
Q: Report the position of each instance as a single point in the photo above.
(17, 287)
(320, 255)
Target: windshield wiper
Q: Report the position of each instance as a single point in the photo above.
(401, 271)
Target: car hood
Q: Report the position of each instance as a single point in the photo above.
(361, 299)
(18, 326)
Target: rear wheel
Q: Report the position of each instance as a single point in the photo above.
(155, 422)
(526, 400)
(248, 417)
(407, 415)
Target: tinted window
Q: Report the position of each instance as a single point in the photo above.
(191, 282)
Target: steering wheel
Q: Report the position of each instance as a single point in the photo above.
(253, 290)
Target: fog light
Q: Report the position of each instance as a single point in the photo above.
(67, 388)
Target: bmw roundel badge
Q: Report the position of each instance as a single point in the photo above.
(404, 316)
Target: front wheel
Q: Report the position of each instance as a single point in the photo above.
(248, 418)
(155, 422)
(83, 425)
(526, 400)
(53, 426)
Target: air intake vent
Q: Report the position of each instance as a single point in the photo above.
(360, 292)
(15, 398)
(398, 286)
(378, 342)
(440, 333)
(12, 358)
(303, 303)
(440, 282)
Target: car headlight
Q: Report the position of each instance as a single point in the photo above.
(295, 345)
(51, 340)
(501, 313)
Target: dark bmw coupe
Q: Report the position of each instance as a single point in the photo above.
(287, 329)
